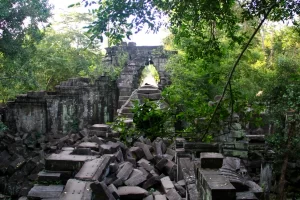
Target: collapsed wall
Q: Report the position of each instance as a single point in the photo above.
(75, 104)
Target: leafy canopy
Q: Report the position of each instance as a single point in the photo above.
(118, 19)
(19, 22)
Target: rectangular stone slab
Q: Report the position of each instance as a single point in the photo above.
(94, 170)
(45, 192)
(57, 162)
(211, 160)
(167, 184)
(48, 176)
(92, 145)
(76, 190)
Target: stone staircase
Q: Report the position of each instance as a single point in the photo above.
(144, 92)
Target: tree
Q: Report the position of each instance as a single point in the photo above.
(62, 53)
(19, 21)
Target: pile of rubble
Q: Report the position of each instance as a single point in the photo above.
(89, 166)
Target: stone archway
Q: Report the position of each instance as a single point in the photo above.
(138, 58)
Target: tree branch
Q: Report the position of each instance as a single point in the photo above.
(233, 69)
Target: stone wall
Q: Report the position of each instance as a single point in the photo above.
(138, 58)
(75, 104)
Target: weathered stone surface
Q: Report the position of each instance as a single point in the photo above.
(146, 166)
(45, 192)
(82, 151)
(211, 160)
(149, 197)
(100, 127)
(215, 186)
(16, 164)
(167, 184)
(92, 145)
(161, 164)
(173, 195)
(94, 170)
(114, 191)
(137, 152)
(136, 180)
(57, 162)
(48, 176)
(160, 197)
(132, 192)
(150, 182)
(125, 171)
(146, 150)
(245, 196)
(101, 191)
(180, 189)
(76, 189)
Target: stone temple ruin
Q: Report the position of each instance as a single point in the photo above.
(59, 146)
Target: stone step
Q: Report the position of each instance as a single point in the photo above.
(58, 162)
(154, 96)
(148, 91)
(125, 93)
(94, 170)
(91, 145)
(76, 190)
(123, 97)
(121, 103)
(103, 134)
(127, 110)
(100, 127)
(149, 86)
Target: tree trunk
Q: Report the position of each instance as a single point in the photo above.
(281, 194)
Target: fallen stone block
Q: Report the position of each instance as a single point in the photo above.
(97, 140)
(146, 150)
(76, 189)
(160, 197)
(161, 164)
(215, 185)
(118, 182)
(180, 189)
(94, 170)
(105, 149)
(173, 195)
(149, 197)
(150, 182)
(110, 179)
(167, 184)
(45, 192)
(136, 180)
(44, 176)
(136, 172)
(211, 160)
(146, 166)
(125, 171)
(137, 152)
(143, 160)
(119, 156)
(114, 191)
(101, 191)
(92, 145)
(57, 162)
(16, 164)
(132, 192)
(82, 151)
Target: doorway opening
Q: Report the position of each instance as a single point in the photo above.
(149, 76)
